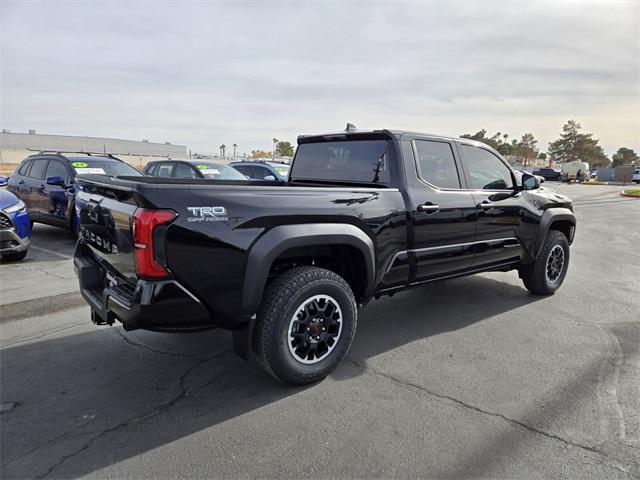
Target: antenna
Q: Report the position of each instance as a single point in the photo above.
(350, 127)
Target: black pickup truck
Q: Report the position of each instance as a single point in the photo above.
(285, 265)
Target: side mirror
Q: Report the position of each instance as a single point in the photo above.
(530, 182)
(59, 181)
(4, 181)
(270, 178)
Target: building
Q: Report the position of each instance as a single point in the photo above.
(14, 147)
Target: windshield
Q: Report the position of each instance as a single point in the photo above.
(357, 161)
(112, 168)
(219, 171)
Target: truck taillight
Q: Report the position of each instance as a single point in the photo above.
(148, 236)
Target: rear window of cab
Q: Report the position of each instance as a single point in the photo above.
(343, 161)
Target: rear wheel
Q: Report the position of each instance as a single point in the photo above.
(546, 274)
(305, 325)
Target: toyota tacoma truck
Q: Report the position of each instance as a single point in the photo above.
(286, 265)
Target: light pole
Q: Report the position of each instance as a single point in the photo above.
(235, 145)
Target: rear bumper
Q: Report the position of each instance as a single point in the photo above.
(162, 305)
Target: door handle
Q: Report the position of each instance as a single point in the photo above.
(428, 208)
(486, 205)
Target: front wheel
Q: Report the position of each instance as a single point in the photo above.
(546, 274)
(305, 325)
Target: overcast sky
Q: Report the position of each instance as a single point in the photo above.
(206, 73)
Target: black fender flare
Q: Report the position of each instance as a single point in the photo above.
(549, 217)
(279, 239)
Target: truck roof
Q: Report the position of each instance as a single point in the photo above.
(392, 132)
(398, 134)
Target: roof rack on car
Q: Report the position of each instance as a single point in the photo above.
(60, 153)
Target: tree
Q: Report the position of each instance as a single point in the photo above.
(260, 154)
(624, 156)
(284, 149)
(235, 145)
(497, 141)
(542, 156)
(573, 145)
(275, 145)
(526, 148)
(223, 148)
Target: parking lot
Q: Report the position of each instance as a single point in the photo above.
(474, 377)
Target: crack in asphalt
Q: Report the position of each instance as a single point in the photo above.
(138, 418)
(48, 442)
(144, 346)
(413, 386)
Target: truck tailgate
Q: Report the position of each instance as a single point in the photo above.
(106, 227)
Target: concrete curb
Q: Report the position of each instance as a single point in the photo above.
(630, 195)
(40, 306)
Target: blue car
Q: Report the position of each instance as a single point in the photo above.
(262, 170)
(46, 183)
(14, 227)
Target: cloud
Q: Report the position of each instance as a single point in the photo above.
(202, 74)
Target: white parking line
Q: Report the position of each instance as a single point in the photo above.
(46, 250)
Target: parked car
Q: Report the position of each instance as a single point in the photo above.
(522, 172)
(286, 265)
(548, 173)
(14, 226)
(636, 176)
(46, 183)
(263, 170)
(192, 169)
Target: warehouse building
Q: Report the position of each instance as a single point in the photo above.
(14, 147)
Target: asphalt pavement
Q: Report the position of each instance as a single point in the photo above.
(467, 378)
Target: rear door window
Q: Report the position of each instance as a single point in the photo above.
(436, 164)
(254, 172)
(183, 170)
(343, 161)
(164, 170)
(38, 168)
(261, 172)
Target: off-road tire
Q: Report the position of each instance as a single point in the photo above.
(280, 301)
(14, 257)
(534, 275)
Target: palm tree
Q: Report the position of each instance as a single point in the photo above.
(275, 144)
(235, 145)
(223, 147)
